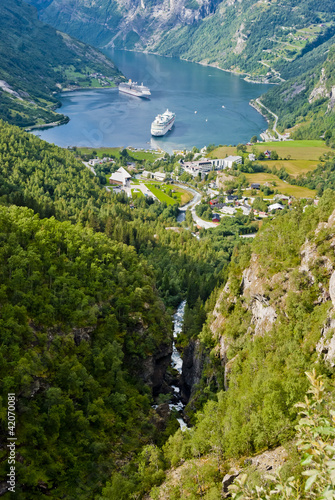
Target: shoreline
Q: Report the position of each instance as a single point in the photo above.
(66, 118)
(247, 76)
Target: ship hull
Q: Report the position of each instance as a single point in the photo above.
(134, 93)
(163, 131)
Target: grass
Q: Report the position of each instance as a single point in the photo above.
(163, 197)
(115, 152)
(144, 155)
(180, 195)
(297, 157)
(298, 150)
(137, 194)
(283, 187)
(101, 152)
(222, 152)
(293, 167)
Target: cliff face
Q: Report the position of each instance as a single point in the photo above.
(132, 24)
(268, 300)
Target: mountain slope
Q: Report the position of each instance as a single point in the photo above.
(272, 322)
(305, 103)
(255, 37)
(36, 61)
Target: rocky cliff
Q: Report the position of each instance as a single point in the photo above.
(268, 296)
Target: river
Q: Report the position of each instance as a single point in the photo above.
(211, 106)
(177, 362)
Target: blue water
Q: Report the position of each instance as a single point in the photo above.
(106, 118)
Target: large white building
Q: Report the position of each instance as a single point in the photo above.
(196, 167)
(206, 165)
(120, 177)
(229, 160)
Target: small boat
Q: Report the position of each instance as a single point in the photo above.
(195, 112)
(223, 107)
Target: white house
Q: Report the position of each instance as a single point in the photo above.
(275, 206)
(96, 161)
(120, 177)
(159, 176)
(252, 157)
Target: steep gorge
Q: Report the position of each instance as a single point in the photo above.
(272, 322)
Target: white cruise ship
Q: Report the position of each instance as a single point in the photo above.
(134, 89)
(163, 123)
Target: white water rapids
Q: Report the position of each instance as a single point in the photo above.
(176, 361)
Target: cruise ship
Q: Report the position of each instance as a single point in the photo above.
(163, 123)
(133, 88)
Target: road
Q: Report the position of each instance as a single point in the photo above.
(90, 167)
(280, 136)
(191, 205)
(276, 73)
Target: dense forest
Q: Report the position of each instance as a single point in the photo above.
(87, 287)
(86, 280)
(36, 61)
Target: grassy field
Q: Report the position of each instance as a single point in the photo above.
(296, 150)
(101, 152)
(222, 152)
(163, 197)
(145, 155)
(297, 157)
(182, 196)
(293, 167)
(282, 186)
(137, 155)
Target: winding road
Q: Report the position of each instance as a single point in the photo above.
(191, 205)
(274, 128)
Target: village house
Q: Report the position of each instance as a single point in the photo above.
(275, 206)
(267, 153)
(252, 157)
(99, 161)
(215, 218)
(217, 204)
(158, 176)
(121, 177)
(281, 197)
(231, 198)
(255, 185)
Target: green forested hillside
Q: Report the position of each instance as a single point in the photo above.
(83, 319)
(36, 61)
(305, 102)
(272, 322)
(73, 317)
(246, 36)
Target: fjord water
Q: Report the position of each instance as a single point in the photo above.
(211, 106)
